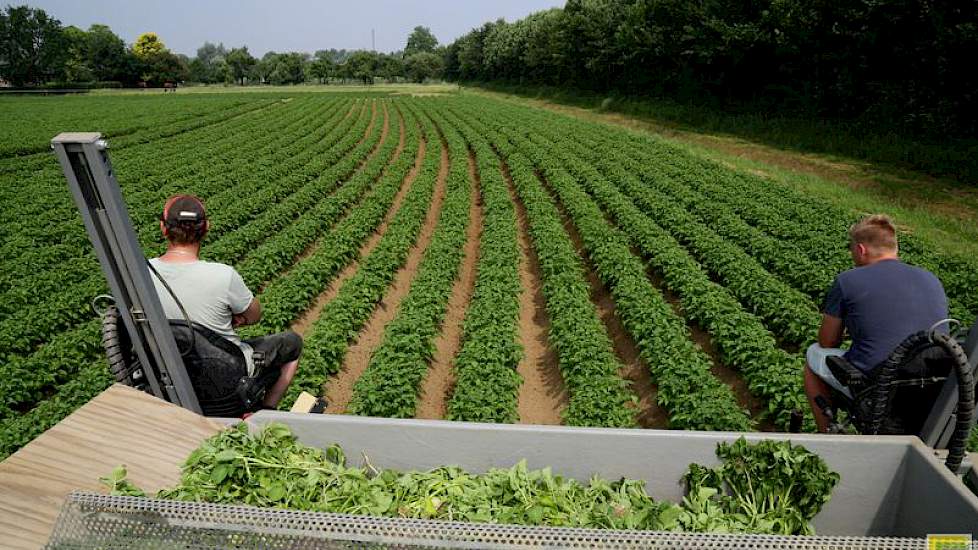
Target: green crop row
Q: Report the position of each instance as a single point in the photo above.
(335, 167)
(26, 377)
(741, 339)
(816, 227)
(788, 313)
(91, 378)
(598, 396)
(780, 257)
(286, 297)
(277, 252)
(212, 174)
(30, 122)
(390, 384)
(195, 167)
(486, 382)
(339, 322)
(686, 387)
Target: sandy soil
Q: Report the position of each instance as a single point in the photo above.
(440, 381)
(543, 396)
(339, 390)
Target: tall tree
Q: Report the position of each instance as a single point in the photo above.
(363, 66)
(209, 66)
(240, 63)
(288, 68)
(423, 66)
(158, 64)
(420, 40)
(147, 45)
(322, 67)
(76, 67)
(32, 46)
(106, 53)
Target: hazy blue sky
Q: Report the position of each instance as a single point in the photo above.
(285, 25)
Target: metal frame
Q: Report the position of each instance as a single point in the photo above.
(86, 166)
(90, 520)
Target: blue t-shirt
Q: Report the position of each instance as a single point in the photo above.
(883, 303)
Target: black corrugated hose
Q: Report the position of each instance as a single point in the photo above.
(957, 445)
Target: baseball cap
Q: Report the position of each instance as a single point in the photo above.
(183, 208)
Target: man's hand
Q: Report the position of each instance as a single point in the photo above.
(237, 320)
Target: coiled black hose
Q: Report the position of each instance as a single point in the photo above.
(887, 373)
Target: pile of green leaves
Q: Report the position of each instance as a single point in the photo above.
(767, 487)
(764, 487)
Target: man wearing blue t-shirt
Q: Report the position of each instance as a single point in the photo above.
(879, 303)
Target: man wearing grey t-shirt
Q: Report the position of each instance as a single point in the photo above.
(216, 296)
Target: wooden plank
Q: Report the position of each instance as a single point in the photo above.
(120, 426)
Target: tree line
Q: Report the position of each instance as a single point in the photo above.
(37, 51)
(903, 62)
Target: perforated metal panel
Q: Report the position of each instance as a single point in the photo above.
(91, 520)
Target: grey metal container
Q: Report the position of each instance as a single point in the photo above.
(890, 485)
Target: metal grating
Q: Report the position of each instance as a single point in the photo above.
(91, 520)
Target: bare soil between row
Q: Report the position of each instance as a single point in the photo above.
(339, 389)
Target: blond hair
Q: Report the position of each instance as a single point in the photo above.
(875, 232)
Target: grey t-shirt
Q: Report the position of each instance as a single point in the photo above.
(210, 292)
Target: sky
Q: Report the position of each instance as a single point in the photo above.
(286, 25)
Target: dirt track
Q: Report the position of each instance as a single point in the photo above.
(542, 396)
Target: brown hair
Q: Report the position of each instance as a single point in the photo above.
(875, 232)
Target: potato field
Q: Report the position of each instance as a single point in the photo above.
(453, 256)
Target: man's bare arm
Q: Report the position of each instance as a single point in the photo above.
(249, 316)
(830, 333)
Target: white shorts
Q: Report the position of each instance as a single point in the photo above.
(816, 356)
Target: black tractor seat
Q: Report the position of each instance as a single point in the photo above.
(216, 366)
(899, 396)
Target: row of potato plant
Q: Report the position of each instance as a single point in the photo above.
(30, 325)
(816, 227)
(279, 251)
(788, 313)
(389, 386)
(27, 377)
(486, 382)
(739, 336)
(341, 319)
(147, 211)
(686, 387)
(58, 222)
(330, 177)
(598, 396)
(285, 298)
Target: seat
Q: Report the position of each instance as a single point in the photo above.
(896, 397)
(903, 394)
(216, 366)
